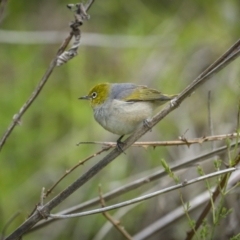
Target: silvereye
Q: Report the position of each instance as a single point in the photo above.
(121, 107)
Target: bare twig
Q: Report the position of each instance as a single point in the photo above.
(145, 197)
(175, 214)
(170, 143)
(27, 104)
(138, 183)
(73, 168)
(115, 223)
(42, 196)
(222, 62)
(215, 194)
(80, 16)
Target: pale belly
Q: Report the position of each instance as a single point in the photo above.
(123, 117)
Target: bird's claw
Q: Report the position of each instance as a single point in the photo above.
(146, 124)
(120, 144)
(173, 102)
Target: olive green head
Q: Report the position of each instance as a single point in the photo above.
(98, 94)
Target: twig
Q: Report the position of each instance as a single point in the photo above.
(42, 196)
(137, 183)
(80, 16)
(144, 197)
(115, 223)
(27, 104)
(17, 117)
(175, 214)
(3, 4)
(222, 62)
(170, 143)
(73, 168)
(215, 194)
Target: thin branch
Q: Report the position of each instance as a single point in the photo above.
(215, 194)
(27, 104)
(115, 223)
(73, 168)
(222, 62)
(145, 197)
(17, 117)
(177, 213)
(138, 183)
(182, 141)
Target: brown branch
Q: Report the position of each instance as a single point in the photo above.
(73, 168)
(138, 183)
(115, 223)
(182, 141)
(75, 32)
(222, 62)
(206, 210)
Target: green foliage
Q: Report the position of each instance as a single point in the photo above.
(169, 171)
(175, 41)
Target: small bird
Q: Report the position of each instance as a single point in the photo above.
(121, 108)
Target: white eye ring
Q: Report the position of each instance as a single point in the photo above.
(94, 95)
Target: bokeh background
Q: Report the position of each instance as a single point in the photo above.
(163, 44)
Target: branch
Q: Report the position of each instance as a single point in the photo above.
(138, 183)
(17, 117)
(145, 197)
(206, 210)
(73, 168)
(181, 141)
(115, 223)
(222, 62)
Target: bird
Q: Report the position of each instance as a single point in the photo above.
(121, 108)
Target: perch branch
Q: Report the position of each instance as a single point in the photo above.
(181, 141)
(145, 197)
(222, 62)
(138, 183)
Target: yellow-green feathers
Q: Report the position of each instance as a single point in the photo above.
(99, 94)
(142, 93)
(127, 92)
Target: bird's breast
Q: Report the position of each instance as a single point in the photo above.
(122, 117)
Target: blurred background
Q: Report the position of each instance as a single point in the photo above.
(162, 44)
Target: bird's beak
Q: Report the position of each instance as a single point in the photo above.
(85, 97)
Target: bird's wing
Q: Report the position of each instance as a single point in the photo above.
(142, 93)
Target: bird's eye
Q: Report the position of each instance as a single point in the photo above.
(94, 95)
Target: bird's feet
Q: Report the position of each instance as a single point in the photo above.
(120, 144)
(146, 123)
(173, 102)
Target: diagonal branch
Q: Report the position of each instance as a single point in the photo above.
(38, 89)
(138, 183)
(215, 194)
(181, 141)
(220, 63)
